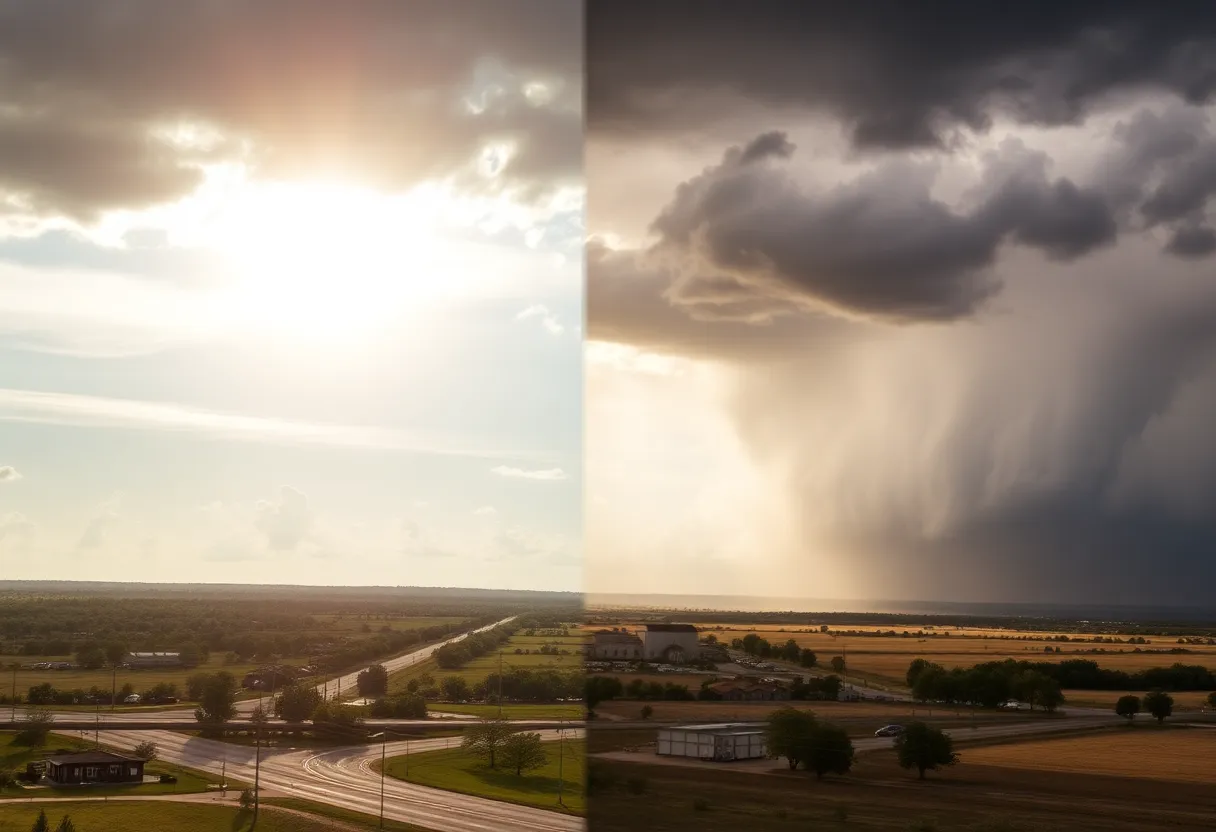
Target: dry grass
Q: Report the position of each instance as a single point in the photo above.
(1179, 755)
(1184, 701)
(755, 711)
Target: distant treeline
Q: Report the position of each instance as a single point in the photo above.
(460, 653)
(762, 648)
(1084, 674)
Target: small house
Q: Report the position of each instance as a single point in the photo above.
(93, 767)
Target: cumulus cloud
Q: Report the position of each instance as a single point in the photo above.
(285, 522)
(485, 511)
(95, 533)
(547, 474)
(548, 319)
(9, 474)
(118, 105)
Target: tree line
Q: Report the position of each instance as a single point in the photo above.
(987, 685)
(1085, 674)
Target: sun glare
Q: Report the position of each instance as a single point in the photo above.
(324, 259)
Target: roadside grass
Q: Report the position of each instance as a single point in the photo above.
(15, 757)
(338, 814)
(458, 771)
(555, 711)
(123, 816)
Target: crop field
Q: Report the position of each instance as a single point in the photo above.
(1184, 701)
(481, 667)
(886, 657)
(1175, 754)
(879, 796)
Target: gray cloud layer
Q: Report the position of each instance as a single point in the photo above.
(372, 88)
(1042, 431)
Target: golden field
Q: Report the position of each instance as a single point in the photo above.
(1178, 755)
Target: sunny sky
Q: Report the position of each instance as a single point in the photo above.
(293, 293)
(885, 309)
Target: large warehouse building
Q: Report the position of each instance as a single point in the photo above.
(721, 743)
(674, 643)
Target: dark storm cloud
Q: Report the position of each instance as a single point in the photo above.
(880, 245)
(897, 74)
(373, 89)
(1192, 241)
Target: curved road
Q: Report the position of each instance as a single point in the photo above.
(344, 777)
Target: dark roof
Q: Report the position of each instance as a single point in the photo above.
(87, 757)
(671, 628)
(610, 637)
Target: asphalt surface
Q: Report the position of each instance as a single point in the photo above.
(344, 777)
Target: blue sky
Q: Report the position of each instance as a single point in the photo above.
(272, 371)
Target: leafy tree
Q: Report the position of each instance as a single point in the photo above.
(217, 701)
(1212, 699)
(1159, 703)
(247, 799)
(91, 657)
(146, 751)
(486, 738)
(789, 734)
(807, 658)
(260, 716)
(924, 748)
(297, 702)
(373, 681)
(116, 651)
(829, 687)
(190, 655)
(830, 750)
(647, 712)
(838, 664)
(66, 825)
(790, 651)
(455, 688)
(601, 689)
(523, 752)
(337, 721)
(37, 728)
(915, 669)
(43, 824)
(1128, 706)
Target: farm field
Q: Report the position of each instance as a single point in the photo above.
(1171, 754)
(455, 770)
(878, 795)
(481, 667)
(509, 711)
(1184, 701)
(180, 817)
(756, 711)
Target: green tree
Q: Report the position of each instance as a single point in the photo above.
(789, 734)
(838, 664)
(807, 658)
(66, 825)
(116, 651)
(43, 824)
(297, 702)
(1128, 706)
(523, 752)
(830, 750)
(601, 689)
(924, 748)
(217, 702)
(190, 655)
(146, 751)
(917, 667)
(37, 728)
(247, 799)
(1212, 699)
(485, 739)
(338, 721)
(455, 688)
(373, 681)
(1159, 703)
(647, 712)
(91, 657)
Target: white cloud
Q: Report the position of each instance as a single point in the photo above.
(9, 474)
(94, 535)
(95, 411)
(548, 319)
(287, 521)
(486, 511)
(548, 474)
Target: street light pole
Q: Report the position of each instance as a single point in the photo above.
(257, 778)
(113, 686)
(561, 758)
(383, 750)
(14, 668)
(500, 684)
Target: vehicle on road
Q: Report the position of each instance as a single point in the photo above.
(889, 731)
(1011, 705)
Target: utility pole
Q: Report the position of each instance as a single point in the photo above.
(113, 685)
(257, 778)
(561, 758)
(500, 684)
(15, 666)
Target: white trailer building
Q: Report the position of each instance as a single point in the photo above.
(721, 743)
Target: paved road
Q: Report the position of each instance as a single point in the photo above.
(344, 777)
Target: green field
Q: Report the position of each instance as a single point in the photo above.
(481, 667)
(554, 711)
(160, 815)
(454, 770)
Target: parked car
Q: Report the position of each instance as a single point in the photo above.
(1011, 704)
(889, 731)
